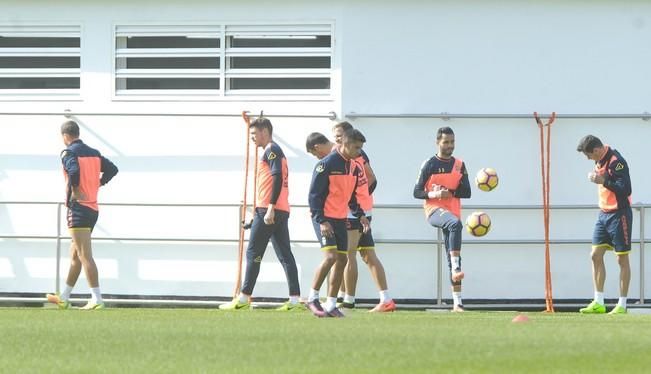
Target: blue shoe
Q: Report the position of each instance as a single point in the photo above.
(316, 309)
(336, 313)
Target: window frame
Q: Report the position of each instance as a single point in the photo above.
(226, 29)
(47, 29)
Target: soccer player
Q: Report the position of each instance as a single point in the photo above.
(332, 195)
(613, 228)
(442, 183)
(363, 243)
(269, 221)
(85, 170)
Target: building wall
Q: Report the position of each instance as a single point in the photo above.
(389, 58)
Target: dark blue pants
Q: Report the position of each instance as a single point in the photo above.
(451, 226)
(261, 233)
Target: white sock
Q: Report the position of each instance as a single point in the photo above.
(65, 295)
(314, 295)
(456, 298)
(243, 299)
(293, 300)
(456, 262)
(330, 304)
(349, 299)
(622, 302)
(599, 297)
(341, 294)
(95, 295)
(384, 296)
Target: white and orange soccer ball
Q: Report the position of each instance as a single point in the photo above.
(478, 224)
(486, 179)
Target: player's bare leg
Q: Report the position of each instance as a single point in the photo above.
(351, 272)
(85, 254)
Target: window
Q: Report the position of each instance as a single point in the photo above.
(168, 60)
(224, 60)
(39, 60)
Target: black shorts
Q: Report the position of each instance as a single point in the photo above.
(338, 241)
(81, 217)
(613, 231)
(366, 242)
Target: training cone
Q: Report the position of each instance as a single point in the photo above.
(520, 318)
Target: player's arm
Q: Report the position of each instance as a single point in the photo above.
(357, 210)
(618, 179)
(276, 168)
(370, 175)
(109, 170)
(353, 205)
(420, 192)
(368, 170)
(463, 191)
(71, 167)
(319, 191)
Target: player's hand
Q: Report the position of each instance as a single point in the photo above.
(269, 217)
(439, 193)
(444, 193)
(76, 195)
(596, 178)
(326, 230)
(366, 225)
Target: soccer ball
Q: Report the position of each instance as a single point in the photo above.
(486, 179)
(478, 224)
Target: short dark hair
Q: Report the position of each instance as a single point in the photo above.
(71, 128)
(443, 130)
(262, 123)
(314, 139)
(345, 125)
(354, 135)
(588, 143)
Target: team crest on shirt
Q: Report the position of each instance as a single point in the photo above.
(319, 168)
(619, 166)
(271, 156)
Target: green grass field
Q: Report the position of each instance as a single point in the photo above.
(204, 340)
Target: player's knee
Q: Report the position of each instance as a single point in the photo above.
(456, 226)
(368, 256)
(330, 258)
(342, 259)
(597, 256)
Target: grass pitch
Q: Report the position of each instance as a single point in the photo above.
(203, 340)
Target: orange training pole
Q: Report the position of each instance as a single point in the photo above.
(240, 252)
(545, 170)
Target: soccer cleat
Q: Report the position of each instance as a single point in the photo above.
(458, 309)
(336, 313)
(389, 306)
(593, 308)
(316, 308)
(457, 276)
(289, 307)
(56, 299)
(346, 305)
(618, 309)
(91, 305)
(235, 305)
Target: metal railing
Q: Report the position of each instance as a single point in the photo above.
(68, 113)
(645, 116)
(639, 208)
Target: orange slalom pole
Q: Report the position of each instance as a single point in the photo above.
(545, 162)
(240, 251)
